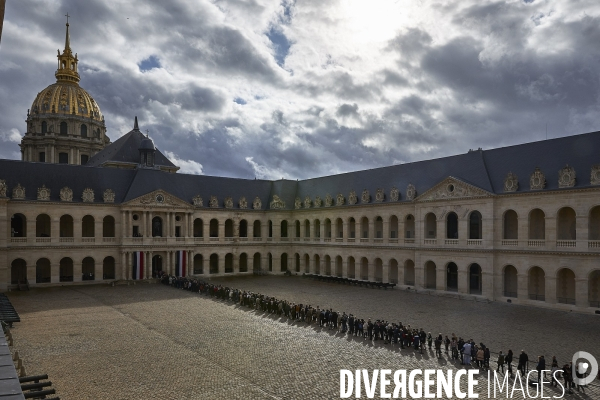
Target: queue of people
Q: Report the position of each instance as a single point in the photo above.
(391, 333)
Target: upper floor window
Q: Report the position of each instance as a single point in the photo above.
(84, 131)
(63, 158)
(63, 128)
(44, 127)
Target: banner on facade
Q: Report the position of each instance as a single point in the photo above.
(138, 265)
(180, 263)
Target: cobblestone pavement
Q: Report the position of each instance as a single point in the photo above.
(155, 342)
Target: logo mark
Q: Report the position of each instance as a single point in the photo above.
(589, 366)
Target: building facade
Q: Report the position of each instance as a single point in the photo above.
(518, 224)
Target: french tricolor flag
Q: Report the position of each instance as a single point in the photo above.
(181, 263)
(138, 265)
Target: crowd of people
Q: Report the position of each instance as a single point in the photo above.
(391, 333)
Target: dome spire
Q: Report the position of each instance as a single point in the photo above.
(135, 125)
(67, 63)
(67, 37)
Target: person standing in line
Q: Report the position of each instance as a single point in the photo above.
(466, 353)
(500, 362)
(523, 360)
(509, 359)
(541, 366)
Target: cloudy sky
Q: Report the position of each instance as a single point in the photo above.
(298, 89)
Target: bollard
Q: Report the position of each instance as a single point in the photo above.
(16, 356)
(22, 371)
(19, 363)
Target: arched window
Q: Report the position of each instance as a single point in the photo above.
(475, 279)
(364, 269)
(63, 128)
(379, 228)
(327, 228)
(108, 268)
(430, 275)
(338, 266)
(510, 281)
(409, 227)
(214, 228)
(44, 127)
(378, 270)
(393, 271)
(18, 272)
(256, 230)
(594, 224)
(270, 228)
(229, 228)
(536, 286)
(351, 268)
(42, 226)
(108, 227)
(430, 226)
(18, 225)
(284, 262)
(317, 229)
(537, 225)
(306, 228)
(243, 228)
(198, 264)
(394, 227)
(243, 262)
(157, 230)
(364, 228)
(42, 271)
(317, 264)
(88, 226)
(475, 225)
(409, 273)
(565, 286)
(284, 229)
(566, 228)
(339, 228)
(594, 289)
(452, 277)
(88, 269)
(256, 263)
(198, 227)
(297, 262)
(297, 228)
(327, 265)
(510, 228)
(84, 130)
(452, 226)
(352, 228)
(229, 263)
(214, 263)
(66, 226)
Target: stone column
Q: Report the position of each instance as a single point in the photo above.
(123, 224)
(190, 230)
(581, 291)
(371, 270)
(463, 276)
(582, 233)
(386, 272)
(302, 230)
(150, 216)
(462, 231)
(123, 267)
(144, 221)
(98, 229)
(148, 271)
(440, 277)
(190, 262)
(550, 287)
(76, 270)
(522, 287)
(30, 223)
(167, 230)
(550, 235)
(205, 229)
(344, 268)
(487, 285)
(440, 231)
(372, 229)
(321, 231)
(55, 228)
(523, 233)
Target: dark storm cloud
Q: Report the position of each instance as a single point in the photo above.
(346, 110)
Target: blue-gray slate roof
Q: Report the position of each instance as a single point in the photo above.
(485, 169)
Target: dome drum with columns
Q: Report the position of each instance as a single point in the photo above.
(64, 124)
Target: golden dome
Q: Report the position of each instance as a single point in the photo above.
(65, 96)
(67, 99)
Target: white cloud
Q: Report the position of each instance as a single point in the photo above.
(186, 166)
(12, 135)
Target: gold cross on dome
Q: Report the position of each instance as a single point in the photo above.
(67, 15)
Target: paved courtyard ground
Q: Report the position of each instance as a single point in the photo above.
(150, 341)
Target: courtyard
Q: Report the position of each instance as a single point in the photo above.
(149, 341)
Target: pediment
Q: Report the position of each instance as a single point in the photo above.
(453, 188)
(158, 198)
